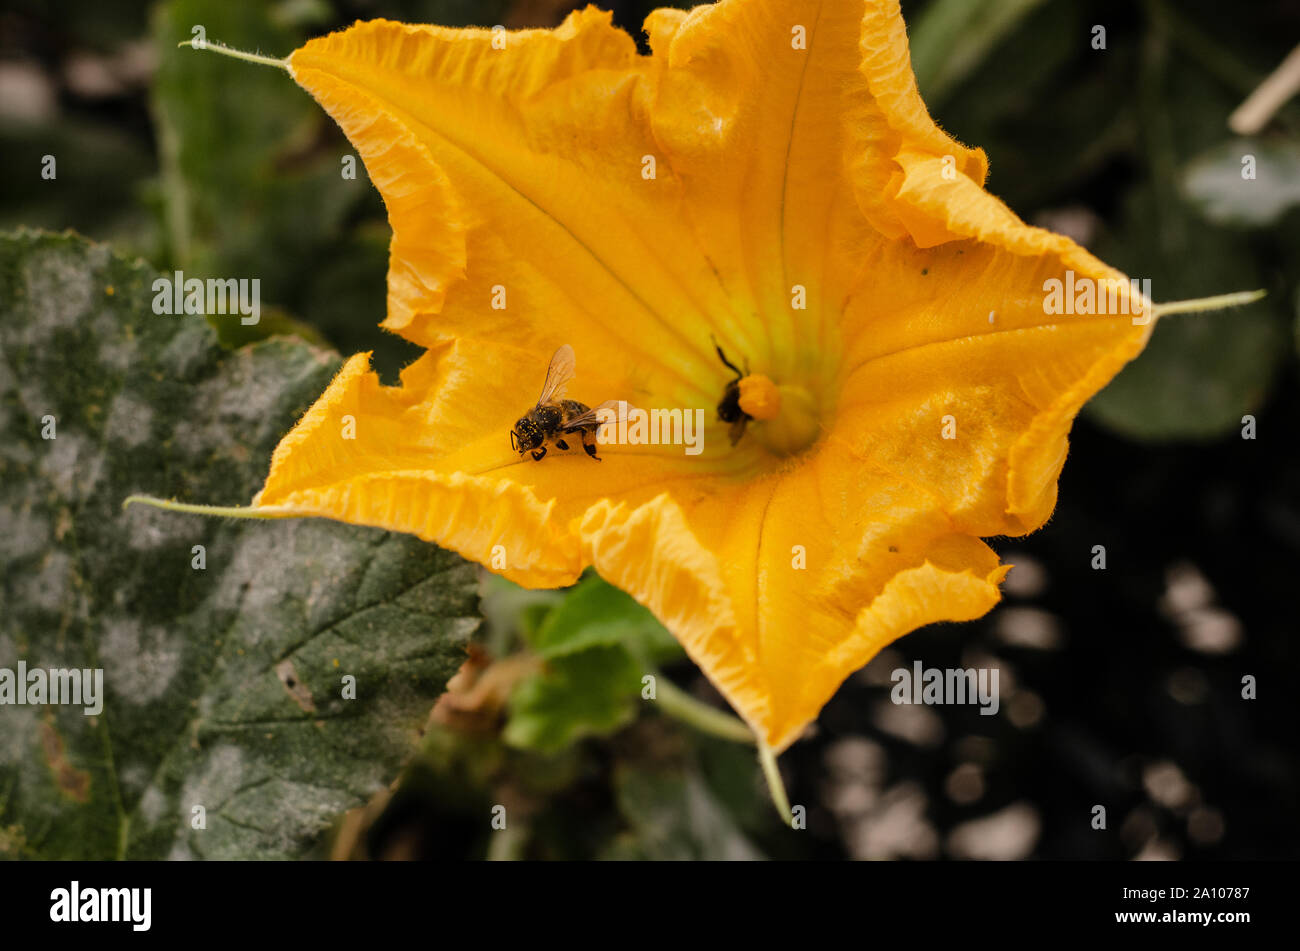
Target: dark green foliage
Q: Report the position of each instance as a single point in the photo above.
(224, 683)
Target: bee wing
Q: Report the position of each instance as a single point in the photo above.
(618, 411)
(558, 375)
(737, 430)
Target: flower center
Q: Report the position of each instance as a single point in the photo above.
(785, 415)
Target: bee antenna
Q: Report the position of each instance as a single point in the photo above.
(723, 357)
(514, 444)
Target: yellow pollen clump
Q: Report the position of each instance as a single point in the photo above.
(786, 418)
(759, 397)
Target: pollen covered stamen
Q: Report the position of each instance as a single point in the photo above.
(760, 397)
(786, 416)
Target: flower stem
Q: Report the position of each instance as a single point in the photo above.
(238, 54)
(775, 785)
(679, 704)
(1202, 304)
(220, 511)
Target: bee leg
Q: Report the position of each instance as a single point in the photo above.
(561, 444)
(538, 453)
(588, 448)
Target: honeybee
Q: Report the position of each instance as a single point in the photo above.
(554, 418)
(729, 410)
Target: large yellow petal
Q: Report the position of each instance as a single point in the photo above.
(956, 377)
(786, 585)
(433, 458)
(514, 170)
(784, 119)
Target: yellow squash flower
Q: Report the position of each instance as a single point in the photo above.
(768, 178)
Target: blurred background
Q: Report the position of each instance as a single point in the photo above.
(1120, 687)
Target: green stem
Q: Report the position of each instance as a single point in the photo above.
(220, 511)
(238, 54)
(176, 196)
(1201, 304)
(775, 785)
(677, 703)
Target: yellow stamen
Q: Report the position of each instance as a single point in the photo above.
(759, 397)
(785, 415)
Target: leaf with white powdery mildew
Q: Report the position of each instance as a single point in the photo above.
(223, 684)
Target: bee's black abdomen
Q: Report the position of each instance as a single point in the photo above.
(729, 408)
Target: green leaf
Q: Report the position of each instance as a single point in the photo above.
(1200, 373)
(597, 644)
(952, 37)
(595, 613)
(1038, 156)
(251, 168)
(100, 173)
(676, 817)
(590, 693)
(222, 684)
(1244, 182)
(513, 613)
